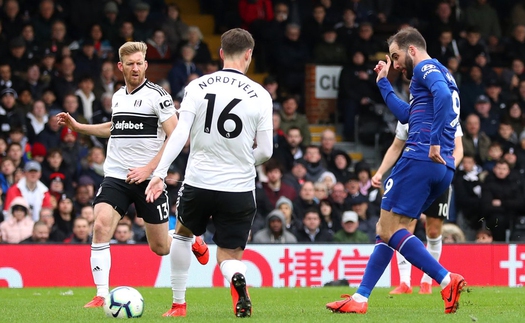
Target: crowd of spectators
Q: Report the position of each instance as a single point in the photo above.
(58, 55)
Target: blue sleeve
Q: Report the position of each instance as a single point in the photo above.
(399, 108)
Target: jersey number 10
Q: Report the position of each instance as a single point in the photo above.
(223, 117)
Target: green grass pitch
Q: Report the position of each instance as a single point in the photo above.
(275, 305)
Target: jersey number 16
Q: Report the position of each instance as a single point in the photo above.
(223, 118)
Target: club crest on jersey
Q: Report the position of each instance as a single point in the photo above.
(137, 103)
(427, 67)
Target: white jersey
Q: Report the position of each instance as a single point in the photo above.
(136, 131)
(229, 109)
(402, 131)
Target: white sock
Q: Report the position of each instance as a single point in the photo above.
(230, 267)
(180, 258)
(405, 269)
(100, 265)
(434, 247)
(359, 298)
(444, 283)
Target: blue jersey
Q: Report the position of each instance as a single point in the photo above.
(433, 112)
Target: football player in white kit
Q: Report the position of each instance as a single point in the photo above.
(142, 116)
(436, 213)
(223, 113)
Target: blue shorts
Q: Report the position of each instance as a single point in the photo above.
(413, 185)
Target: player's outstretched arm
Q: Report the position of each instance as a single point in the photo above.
(102, 130)
(138, 175)
(390, 158)
(175, 143)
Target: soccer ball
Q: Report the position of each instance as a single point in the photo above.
(124, 302)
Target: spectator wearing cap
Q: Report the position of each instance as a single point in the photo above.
(31, 189)
(142, 24)
(86, 61)
(110, 21)
(274, 188)
(367, 216)
(50, 135)
(10, 114)
(275, 230)
(349, 232)
(18, 226)
(38, 152)
(17, 57)
(329, 51)
(56, 185)
(36, 119)
(489, 119)
(175, 29)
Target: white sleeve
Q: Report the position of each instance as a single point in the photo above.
(264, 149)
(402, 131)
(175, 143)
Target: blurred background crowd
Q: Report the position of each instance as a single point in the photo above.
(58, 55)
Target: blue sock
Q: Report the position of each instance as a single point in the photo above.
(379, 260)
(414, 251)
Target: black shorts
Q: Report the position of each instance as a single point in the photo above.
(439, 208)
(232, 214)
(120, 195)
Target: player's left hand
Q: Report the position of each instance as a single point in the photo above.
(138, 175)
(154, 189)
(435, 154)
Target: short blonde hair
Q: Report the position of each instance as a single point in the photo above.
(132, 47)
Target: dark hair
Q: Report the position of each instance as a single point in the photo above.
(406, 37)
(272, 164)
(236, 41)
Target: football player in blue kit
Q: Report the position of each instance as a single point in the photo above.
(424, 171)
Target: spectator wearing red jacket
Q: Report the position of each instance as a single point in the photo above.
(252, 10)
(31, 189)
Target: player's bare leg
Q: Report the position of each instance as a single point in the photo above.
(433, 228)
(105, 223)
(234, 271)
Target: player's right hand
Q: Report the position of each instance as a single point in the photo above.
(65, 119)
(154, 189)
(376, 180)
(382, 68)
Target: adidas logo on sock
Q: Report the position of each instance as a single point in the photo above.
(97, 268)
